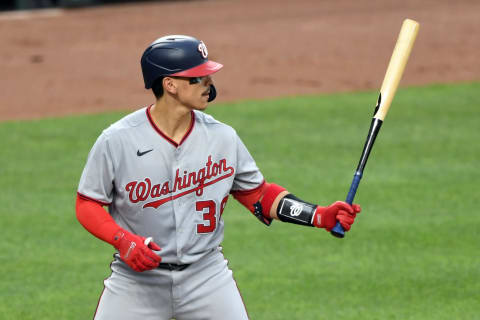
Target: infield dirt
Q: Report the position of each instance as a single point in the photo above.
(60, 62)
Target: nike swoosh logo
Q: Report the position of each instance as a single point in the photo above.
(142, 153)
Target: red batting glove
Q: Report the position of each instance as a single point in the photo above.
(327, 217)
(134, 252)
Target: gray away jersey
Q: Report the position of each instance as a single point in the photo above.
(175, 193)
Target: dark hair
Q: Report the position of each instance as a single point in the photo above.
(157, 88)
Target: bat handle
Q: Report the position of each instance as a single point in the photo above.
(338, 230)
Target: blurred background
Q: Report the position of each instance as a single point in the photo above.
(42, 4)
(299, 85)
(69, 60)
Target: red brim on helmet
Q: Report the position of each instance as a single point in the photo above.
(202, 70)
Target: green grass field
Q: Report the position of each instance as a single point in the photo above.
(413, 253)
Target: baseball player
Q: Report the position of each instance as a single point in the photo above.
(166, 172)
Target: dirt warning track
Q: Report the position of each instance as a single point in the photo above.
(62, 62)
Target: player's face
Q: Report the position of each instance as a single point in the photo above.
(194, 92)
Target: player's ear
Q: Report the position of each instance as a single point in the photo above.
(169, 85)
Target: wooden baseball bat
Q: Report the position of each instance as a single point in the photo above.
(394, 73)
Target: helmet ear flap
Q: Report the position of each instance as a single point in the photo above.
(212, 94)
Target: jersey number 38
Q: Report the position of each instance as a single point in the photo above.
(209, 210)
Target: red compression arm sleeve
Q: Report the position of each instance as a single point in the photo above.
(96, 219)
(267, 192)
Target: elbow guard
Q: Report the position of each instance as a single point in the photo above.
(262, 208)
(267, 192)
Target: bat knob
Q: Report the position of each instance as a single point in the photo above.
(338, 231)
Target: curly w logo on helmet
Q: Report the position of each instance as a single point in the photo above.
(203, 49)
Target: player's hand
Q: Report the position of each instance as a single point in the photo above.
(327, 217)
(135, 253)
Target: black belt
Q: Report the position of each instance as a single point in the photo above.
(173, 267)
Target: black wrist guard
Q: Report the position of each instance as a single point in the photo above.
(293, 210)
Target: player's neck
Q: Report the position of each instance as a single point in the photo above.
(174, 122)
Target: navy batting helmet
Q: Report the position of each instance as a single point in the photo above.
(177, 55)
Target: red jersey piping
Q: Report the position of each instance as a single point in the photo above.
(247, 192)
(160, 132)
(84, 197)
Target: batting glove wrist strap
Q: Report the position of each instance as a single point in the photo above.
(294, 210)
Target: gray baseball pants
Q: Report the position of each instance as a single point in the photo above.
(205, 290)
